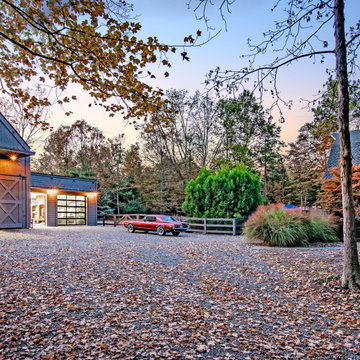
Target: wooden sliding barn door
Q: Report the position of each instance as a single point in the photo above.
(11, 202)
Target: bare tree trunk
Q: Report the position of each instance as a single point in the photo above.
(351, 271)
(161, 182)
(117, 191)
(265, 173)
(117, 200)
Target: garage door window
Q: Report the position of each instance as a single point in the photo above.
(71, 210)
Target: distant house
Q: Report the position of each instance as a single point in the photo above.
(27, 197)
(334, 156)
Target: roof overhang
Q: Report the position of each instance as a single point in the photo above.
(6, 153)
(61, 191)
(62, 183)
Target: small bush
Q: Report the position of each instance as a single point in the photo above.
(276, 226)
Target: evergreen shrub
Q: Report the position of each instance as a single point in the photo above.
(276, 226)
(225, 194)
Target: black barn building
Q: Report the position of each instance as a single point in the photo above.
(14, 178)
(27, 198)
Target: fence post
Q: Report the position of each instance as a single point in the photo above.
(205, 226)
(234, 226)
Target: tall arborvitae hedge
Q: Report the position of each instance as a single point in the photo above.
(226, 194)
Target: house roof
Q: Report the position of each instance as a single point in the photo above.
(334, 157)
(10, 140)
(65, 183)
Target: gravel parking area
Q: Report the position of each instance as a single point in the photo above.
(102, 293)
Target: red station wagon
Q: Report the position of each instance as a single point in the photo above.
(159, 223)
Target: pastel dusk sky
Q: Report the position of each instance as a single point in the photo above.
(172, 20)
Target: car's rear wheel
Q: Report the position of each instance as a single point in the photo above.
(131, 228)
(160, 230)
(176, 233)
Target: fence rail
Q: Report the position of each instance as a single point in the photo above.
(233, 226)
(118, 219)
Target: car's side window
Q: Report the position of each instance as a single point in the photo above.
(150, 218)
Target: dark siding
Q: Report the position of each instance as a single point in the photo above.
(65, 183)
(15, 168)
(51, 210)
(18, 169)
(92, 211)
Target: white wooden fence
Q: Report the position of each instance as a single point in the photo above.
(231, 226)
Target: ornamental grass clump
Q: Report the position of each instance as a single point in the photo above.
(322, 228)
(276, 226)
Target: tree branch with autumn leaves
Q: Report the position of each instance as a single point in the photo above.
(82, 42)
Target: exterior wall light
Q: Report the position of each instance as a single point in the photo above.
(52, 192)
(13, 157)
(92, 195)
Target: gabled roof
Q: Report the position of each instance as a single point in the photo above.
(334, 156)
(10, 140)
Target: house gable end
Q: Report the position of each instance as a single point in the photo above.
(10, 138)
(334, 157)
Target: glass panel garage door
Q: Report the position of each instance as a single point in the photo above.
(71, 210)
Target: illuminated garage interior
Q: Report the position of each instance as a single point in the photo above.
(38, 208)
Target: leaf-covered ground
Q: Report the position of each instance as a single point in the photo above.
(101, 293)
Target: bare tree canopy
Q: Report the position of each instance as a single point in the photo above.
(31, 123)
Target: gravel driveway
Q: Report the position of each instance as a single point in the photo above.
(102, 293)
